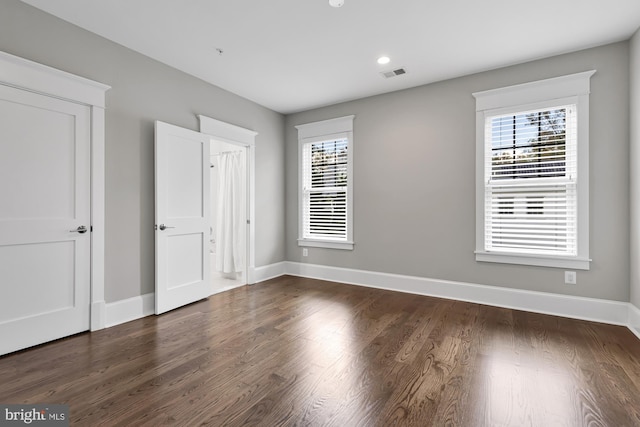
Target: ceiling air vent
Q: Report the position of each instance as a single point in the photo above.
(393, 73)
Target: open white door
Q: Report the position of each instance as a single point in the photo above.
(45, 230)
(182, 216)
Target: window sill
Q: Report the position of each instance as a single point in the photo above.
(326, 244)
(536, 260)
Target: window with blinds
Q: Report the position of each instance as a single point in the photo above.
(325, 184)
(531, 174)
(324, 175)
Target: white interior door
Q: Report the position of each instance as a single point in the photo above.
(44, 210)
(182, 216)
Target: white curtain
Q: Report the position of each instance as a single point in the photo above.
(231, 215)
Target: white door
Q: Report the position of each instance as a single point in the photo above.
(44, 210)
(182, 217)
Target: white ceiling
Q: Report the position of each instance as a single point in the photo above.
(294, 55)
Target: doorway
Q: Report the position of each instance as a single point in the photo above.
(237, 138)
(185, 232)
(228, 206)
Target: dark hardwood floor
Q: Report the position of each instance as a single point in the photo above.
(303, 352)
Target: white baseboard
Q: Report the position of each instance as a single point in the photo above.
(118, 312)
(597, 310)
(129, 309)
(271, 271)
(634, 319)
(98, 315)
(138, 307)
(592, 309)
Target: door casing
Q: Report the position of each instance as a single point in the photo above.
(240, 136)
(31, 76)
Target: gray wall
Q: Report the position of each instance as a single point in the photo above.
(143, 91)
(414, 163)
(635, 169)
(414, 180)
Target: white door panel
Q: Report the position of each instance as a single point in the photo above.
(44, 195)
(182, 216)
(186, 247)
(184, 178)
(56, 265)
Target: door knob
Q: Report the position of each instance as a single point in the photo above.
(82, 229)
(163, 227)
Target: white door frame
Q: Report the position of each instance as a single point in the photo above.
(28, 75)
(237, 135)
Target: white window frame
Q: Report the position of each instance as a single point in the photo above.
(570, 89)
(326, 130)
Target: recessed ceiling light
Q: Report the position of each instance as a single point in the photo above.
(336, 3)
(383, 60)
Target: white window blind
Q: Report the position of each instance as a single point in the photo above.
(531, 175)
(325, 190)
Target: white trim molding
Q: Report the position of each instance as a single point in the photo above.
(126, 310)
(592, 309)
(118, 312)
(31, 76)
(320, 130)
(538, 91)
(98, 314)
(526, 259)
(129, 309)
(634, 320)
(340, 128)
(98, 319)
(514, 100)
(24, 74)
(232, 134)
(227, 131)
(271, 271)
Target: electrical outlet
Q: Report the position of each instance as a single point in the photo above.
(570, 277)
(305, 252)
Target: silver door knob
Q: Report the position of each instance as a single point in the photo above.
(82, 229)
(163, 227)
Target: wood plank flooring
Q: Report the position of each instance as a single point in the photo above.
(302, 352)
